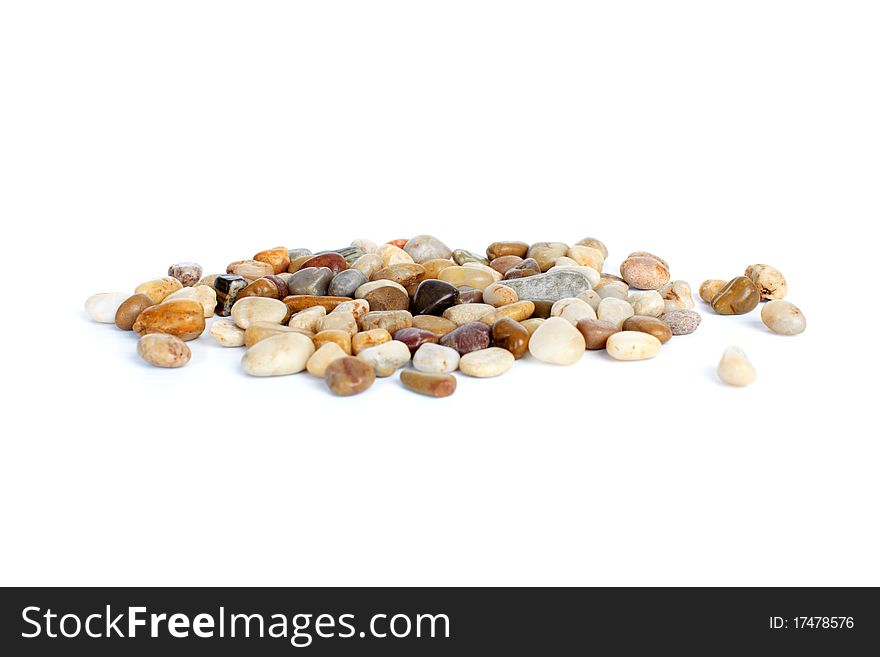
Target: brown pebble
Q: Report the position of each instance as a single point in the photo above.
(414, 338)
(387, 297)
(340, 337)
(509, 334)
(297, 263)
(542, 308)
(649, 325)
(263, 287)
(435, 266)
(439, 326)
(183, 318)
(499, 249)
(432, 385)
(298, 302)
(258, 331)
(278, 257)
(128, 312)
(738, 297)
(333, 261)
(504, 263)
(469, 295)
(596, 332)
(349, 376)
(404, 273)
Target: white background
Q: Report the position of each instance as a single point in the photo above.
(134, 135)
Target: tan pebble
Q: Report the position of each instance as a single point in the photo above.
(183, 318)
(258, 309)
(783, 317)
(676, 296)
(279, 355)
(486, 363)
(435, 266)
(594, 243)
(258, 331)
(390, 320)
(644, 272)
(587, 256)
(557, 342)
(163, 350)
(368, 264)
(572, 310)
(531, 325)
(341, 338)
(357, 307)
(710, 288)
(436, 325)
(431, 385)
(393, 255)
(735, 369)
(308, 319)
(517, 311)
(612, 289)
(250, 269)
(769, 280)
(159, 288)
(498, 294)
(467, 312)
(349, 376)
(466, 277)
(614, 311)
(205, 295)
(387, 358)
(649, 303)
(632, 345)
(483, 268)
(367, 288)
(591, 297)
(367, 339)
(276, 257)
(318, 361)
(226, 333)
(339, 321)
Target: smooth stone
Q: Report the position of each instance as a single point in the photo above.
(434, 267)
(613, 289)
(461, 256)
(596, 332)
(499, 294)
(390, 320)
(543, 307)
(517, 311)
(278, 257)
(649, 303)
(336, 321)
(387, 297)
(735, 368)
(509, 334)
(592, 275)
(357, 307)
(311, 280)
(297, 263)
(783, 317)
(261, 330)
(348, 376)
(565, 261)
(591, 297)
(404, 274)
(435, 358)
(366, 288)
(614, 310)
(182, 318)
(350, 253)
(102, 307)
(386, 358)
(681, 322)
(553, 285)
(632, 345)
(297, 302)
(486, 363)
(163, 350)
(208, 280)
(710, 288)
(532, 324)
(226, 333)
(586, 256)
(572, 310)
(676, 296)
(436, 325)
(426, 247)
(202, 293)
(129, 310)
(466, 276)
(483, 268)
(528, 267)
(469, 295)
(158, 288)
(368, 264)
(321, 359)
(503, 264)
(594, 243)
(557, 342)
(188, 273)
(345, 283)
(507, 248)
(646, 254)
(365, 245)
(293, 254)
(390, 254)
(545, 253)
(367, 339)
(269, 287)
(258, 309)
(337, 336)
(738, 297)
(468, 337)
(415, 337)
(468, 312)
(431, 385)
(279, 355)
(228, 287)
(649, 325)
(644, 272)
(331, 260)
(769, 281)
(308, 319)
(250, 269)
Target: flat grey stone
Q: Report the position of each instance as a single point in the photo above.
(311, 280)
(552, 285)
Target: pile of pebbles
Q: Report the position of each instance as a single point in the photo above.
(367, 310)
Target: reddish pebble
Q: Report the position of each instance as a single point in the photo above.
(432, 385)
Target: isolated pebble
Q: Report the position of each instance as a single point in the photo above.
(735, 369)
(226, 333)
(318, 361)
(710, 288)
(738, 297)
(159, 288)
(677, 296)
(435, 358)
(468, 337)
(614, 310)
(509, 334)
(129, 310)
(556, 341)
(431, 385)
(286, 353)
(486, 363)
(553, 285)
(783, 317)
(769, 281)
(632, 345)
(182, 318)
(681, 322)
(649, 325)
(387, 358)
(348, 376)
(188, 273)
(163, 350)
(258, 309)
(102, 307)
(596, 332)
(644, 272)
(649, 303)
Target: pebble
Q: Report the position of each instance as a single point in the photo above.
(433, 297)
(466, 276)
(163, 350)
(298, 302)
(508, 248)
(348, 376)
(591, 297)
(386, 358)
(345, 283)
(783, 317)
(102, 307)
(710, 288)
(404, 274)
(258, 309)
(614, 310)
(469, 295)
(366, 288)
(390, 320)
(432, 385)
(331, 260)
(337, 321)
(572, 310)
(367, 246)
(498, 294)
(517, 311)
(509, 334)
(308, 319)
(279, 355)
(545, 253)
(278, 258)
(435, 358)
(227, 287)
(426, 247)
(468, 337)
(676, 296)
(735, 369)
(564, 261)
(468, 312)
(318, 361)
(596, 332)
(188, 273)
(368, 264)
(556, 341)
(205, 295)
(182, 318)
(311, 280)
(769, 281)
(208, 280)
(158, 288)
(262, 330)
(367, 339)
(415, 338)
(226, 333)
(632, 345)
(681, 322)
(528, 267)
(587, 256)
(461, 256)
(292, 254)
(357, 307)
(532, 324)
(129, 310)
(649, 325)
(437, 325)
(486, 363)
(738, 297)
(503, 264)
(543, 308)
(297, 262)
(483, 268)
(612, 289)
(341, 338)
(350, 253)
(594, 243)
(553, 285)
(592, 275)
(644, 272)
(387, 297)
(649, 303)
(250, 269)
(272, 287)
(434, 267)
(393, 255)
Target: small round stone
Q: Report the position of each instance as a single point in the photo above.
(386, 358)
(557, 342)
(498, 294)
(783, 317)
(348, 376)
(676, 296)
(710, 288)
(462, 256)
(129, 310)
(310, 280)
(258, 309)
(596, 332)
(188, 273)
(738, 297)
(649, 303)
(509, 334)
(644, 272)
(159, 288)
(163, 350)
(415, 337)
(681, 322)
(367, 339)
(468, 337)
(649, 325)
(468, 312)
(279, 355)
(226, 333)
(735, 369)
(183, 318)
(426, 247)
(507, 248)
(503, 264)
(769, 281)
(486, 363)
(431, 385)
(435, 358)
(614, 310)
(345, 283)
(632, 345)
(321, 359)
